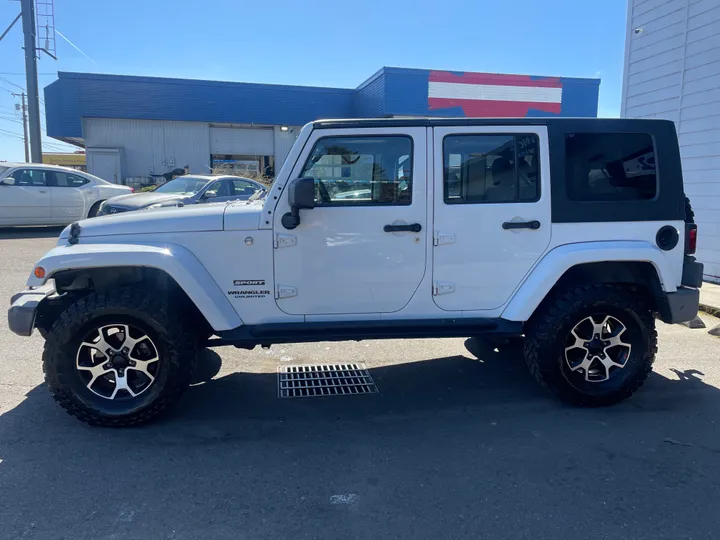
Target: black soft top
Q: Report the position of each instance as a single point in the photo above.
(615, 124)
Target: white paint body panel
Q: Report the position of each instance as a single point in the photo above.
(178, 261)
(672, 71)
(343, 261)
(485, 263)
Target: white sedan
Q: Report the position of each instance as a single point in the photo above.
(36, 194)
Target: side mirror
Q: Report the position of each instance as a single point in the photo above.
(301, 196)
(9, 181)
(209, 195)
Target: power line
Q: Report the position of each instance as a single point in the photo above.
(11, 136)
(8, 119)
(12, 83)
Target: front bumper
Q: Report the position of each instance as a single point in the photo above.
(23, 309)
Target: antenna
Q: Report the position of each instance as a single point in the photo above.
(45, 11)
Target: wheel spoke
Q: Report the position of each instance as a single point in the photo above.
(130, 342)
(121, 383)
(579, 342)
(95, 371)
(142, 366)
(598, 329)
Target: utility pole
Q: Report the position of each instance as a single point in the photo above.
(33, 106)
(24, 121)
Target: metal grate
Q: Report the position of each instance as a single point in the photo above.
(324, 380)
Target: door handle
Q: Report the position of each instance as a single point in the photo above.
(414, 227)
(42, 190)
(534, 225)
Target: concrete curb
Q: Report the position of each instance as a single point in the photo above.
(710, 310)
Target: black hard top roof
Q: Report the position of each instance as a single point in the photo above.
(621, 124)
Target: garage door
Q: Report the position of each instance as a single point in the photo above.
(241, 141)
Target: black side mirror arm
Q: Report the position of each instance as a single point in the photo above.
(291, 219)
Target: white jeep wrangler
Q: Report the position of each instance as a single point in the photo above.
(573, 233)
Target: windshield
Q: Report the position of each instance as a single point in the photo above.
(3, 169)
(183, 186)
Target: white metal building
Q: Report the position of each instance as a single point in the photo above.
(672, 71)
(122, 148)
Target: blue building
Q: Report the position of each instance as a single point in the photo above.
(134, 127)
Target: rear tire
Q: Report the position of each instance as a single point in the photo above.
(119, 358)
(94, 209)
(564, 354)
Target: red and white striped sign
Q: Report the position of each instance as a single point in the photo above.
(494, 95)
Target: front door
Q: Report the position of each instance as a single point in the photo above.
(25, 198)
(362, 249)
(492, 212)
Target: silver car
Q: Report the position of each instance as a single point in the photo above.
(189, 189)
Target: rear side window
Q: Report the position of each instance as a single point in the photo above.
(69, 180)
(490, 169)
(610, 167)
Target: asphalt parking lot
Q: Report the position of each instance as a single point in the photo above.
(458, 443)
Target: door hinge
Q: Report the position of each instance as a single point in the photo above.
(443, 287)
(285, 291)
(443, 238)
(284, 240)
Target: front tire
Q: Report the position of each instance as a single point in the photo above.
(119, 358)
(592, 345)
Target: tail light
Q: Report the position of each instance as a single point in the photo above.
(690, 238)
(132, 190)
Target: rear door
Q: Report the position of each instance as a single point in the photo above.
(492, 212)
(69, 202)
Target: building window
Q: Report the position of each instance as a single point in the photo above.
(490, 169)
(610, 167)
(361, 171)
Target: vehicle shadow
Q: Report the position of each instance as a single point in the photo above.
(10, 233)
(459, 446)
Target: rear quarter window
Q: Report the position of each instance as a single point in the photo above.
(610, 167)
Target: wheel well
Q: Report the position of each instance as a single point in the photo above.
(71, 285)
(640, 274)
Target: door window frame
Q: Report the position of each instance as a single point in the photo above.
(544, 172)
(350, 203)
(516, 135)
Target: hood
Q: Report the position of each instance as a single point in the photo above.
(141, 200)
(193, 218)
(244, 216)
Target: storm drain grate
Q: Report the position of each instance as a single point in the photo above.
(324, 380)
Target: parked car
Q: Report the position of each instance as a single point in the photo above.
(36, 194)
(188, 189)
(534, 246)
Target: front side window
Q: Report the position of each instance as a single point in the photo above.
(610, 167)
(361, 171)
(495, 168)
(31, 177)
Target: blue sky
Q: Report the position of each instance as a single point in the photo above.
(320, 42)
